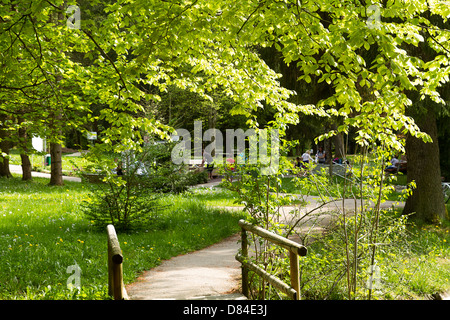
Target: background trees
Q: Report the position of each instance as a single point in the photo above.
(353, 64)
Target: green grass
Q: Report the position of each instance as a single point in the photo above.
(42, 232)
(216, 196)
(423, 269)
(413, 266)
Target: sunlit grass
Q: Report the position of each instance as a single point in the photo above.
(43, 231)
(215, 196)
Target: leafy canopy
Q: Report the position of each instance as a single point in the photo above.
(126, 52)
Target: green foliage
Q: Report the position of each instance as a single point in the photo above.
(123, 205)
(129, 200)
(125, 58)
(357, 249)
(161, 174)
(111, 62)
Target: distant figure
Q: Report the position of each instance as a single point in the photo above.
(306, 157)
(297, 163)
(337, 160)
(321, 156)
(208, 159)
(394, 165)
(119, 169)
(230, 164)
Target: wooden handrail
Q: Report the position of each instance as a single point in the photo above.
(274, 281)
(116, 288)
(295, 249)
(290, 245)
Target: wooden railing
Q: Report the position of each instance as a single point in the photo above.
(116, 288)
(295, 250)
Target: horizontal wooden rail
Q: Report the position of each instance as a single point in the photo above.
(290, 245)
(295, 249)
(274, 281)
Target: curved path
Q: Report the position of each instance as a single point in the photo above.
(210, 273)
(213, 273)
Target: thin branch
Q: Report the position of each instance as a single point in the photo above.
(435, 40)
(105, 55)
(37, 63)
(37, 37)
(308, 213)
(23, 87)
(11, 112)
(248, 18)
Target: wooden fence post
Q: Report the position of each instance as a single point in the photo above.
(244, 245)
(295, 250)
(115, 259)
(295, 276)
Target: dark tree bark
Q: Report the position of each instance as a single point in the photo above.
(338, 142)
(26, 167)
(56, 164)
(5, 145)
(23, 144)
(4, 166)
(427, 200)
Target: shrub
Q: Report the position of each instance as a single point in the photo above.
(122, 201)
(130, 199)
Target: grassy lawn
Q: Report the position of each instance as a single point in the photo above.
(216, 196)
(425, 269)
(42, 232)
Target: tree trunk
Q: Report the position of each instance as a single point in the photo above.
(427, 200)
(26, 167)
(338, 141)
(4, 167)
(56, 164)
(5, 145)
(23, 144)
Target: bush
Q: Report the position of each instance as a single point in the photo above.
(123, 204)
(159, 171)
(130, 199)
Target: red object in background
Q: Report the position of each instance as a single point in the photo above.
(231, 163)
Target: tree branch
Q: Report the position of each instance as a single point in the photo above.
(437, 42)
(23, 87)
(250, 15)
(105, 55)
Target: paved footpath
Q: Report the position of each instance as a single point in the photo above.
(207, 274)
(18, 169)
(210, 273)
